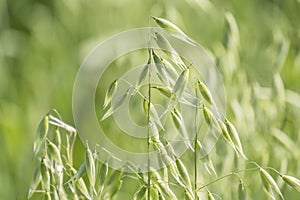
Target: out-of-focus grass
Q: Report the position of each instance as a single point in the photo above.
(42, 44)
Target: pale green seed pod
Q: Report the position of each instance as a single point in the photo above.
(173, 29)
(115, 106)
(146, 105)
(160, 68)
(90, 166)
(79, 182)
(166, 191)
(154, 116)
(107, 114)
(109, 93)
(292, 181)
(170, 164)
(208, 115)
(167, 48)
(54, 193)
(188, 195)
(235, 138)
(53, 151)
(176, 119)
(45, 176)
(47, 196)
(143, 74)
(41, 134)
(153, 193)
(205, 92)
(209, 166)
(181, 83)
(210, 196)
(57, 139)
(165, 175)
(170, 68)
(155, 139)
(164, 44)
(158, 146)
(163, 90)
(169, 148)
(204, 156)
(225, 132)
(183, 173)
(36, 179)
(121, 100)
(269, 182)
(160, 196)
(61, 193)
(180, 126)
(242, 193)
(167, 24)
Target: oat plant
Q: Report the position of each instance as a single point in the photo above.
(178, 86)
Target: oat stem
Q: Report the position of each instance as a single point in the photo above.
(236, 173)
(195, 148)
(148, 131)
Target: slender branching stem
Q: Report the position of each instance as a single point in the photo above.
(195, 148)
(148, 131)
(236, 173)
(270, 168)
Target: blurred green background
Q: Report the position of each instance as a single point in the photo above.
(43, 42)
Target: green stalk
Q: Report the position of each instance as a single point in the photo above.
(227, 175)
(195, 150)
(148, 132)
(195, 167)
